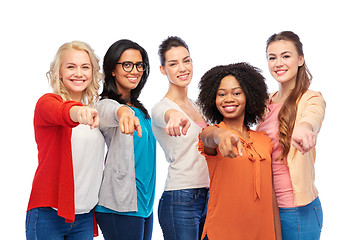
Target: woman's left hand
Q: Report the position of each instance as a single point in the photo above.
(303, 137)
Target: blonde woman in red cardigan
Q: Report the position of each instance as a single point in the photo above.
(70, 148)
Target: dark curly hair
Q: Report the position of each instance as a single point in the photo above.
(252, 83)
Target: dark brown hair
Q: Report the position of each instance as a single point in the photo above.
(169, 43)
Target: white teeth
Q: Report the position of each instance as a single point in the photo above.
(183, 76)
(229, 108)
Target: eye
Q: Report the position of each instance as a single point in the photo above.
(86, 67)
(271, 58)
(187, 60)
(127, 64)
(286, 56)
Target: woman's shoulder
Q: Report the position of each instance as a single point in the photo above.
(163, 105)
(312, 93)
(48, 96)
(312, 97)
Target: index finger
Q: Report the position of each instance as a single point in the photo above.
(138, 129)
(237, 144)
(95, 122)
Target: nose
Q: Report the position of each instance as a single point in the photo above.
(229, 98)
(182, 68)
(78, 72)
(279, 63)
(134, 70)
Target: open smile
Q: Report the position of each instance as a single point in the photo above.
(230, 108)
(132, 79)
(183, 76)
(281, 72)
(78, 81)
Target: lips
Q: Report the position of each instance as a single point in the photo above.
(132, 79)
(184, 76)
(280, 72)
(78, 81)
(229, 108)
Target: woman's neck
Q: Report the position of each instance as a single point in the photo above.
(283, 92)
(239, 127)
(177, 94)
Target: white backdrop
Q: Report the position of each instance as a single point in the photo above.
(217, 32)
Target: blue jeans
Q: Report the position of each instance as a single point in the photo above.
(123, 227)
(44, 223)
(182, 213)
(302, 223)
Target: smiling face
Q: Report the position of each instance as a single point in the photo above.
(126, 81)
(76, 72)
(178, 66)
(283, 61)
(231, 100)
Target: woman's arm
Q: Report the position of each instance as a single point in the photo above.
(226, 141)
(113, 114)
(84, 115)
(311, 112)
(128, 123)
(176, 121)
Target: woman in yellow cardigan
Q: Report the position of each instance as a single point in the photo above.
(293, 120)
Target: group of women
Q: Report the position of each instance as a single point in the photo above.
(224, 181)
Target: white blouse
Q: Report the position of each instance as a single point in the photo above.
(88, 161)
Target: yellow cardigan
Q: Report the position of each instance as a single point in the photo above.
(311, 109)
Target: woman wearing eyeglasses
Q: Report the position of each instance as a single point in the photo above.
(177, 123)
(127, 192)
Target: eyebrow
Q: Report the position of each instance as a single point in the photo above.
(223, 89)
(282, 53)
(177, 60)
(76, 64)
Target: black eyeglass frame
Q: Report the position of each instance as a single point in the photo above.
(144, 66)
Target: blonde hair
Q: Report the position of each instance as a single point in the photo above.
(90, 94)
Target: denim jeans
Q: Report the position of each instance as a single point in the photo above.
(302, 223)
(123, 227)
(182, 213)
(44, 223)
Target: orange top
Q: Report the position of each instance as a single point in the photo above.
(240, 201)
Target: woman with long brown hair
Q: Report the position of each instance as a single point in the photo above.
(293, 120)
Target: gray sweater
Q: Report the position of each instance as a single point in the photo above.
(118, 189)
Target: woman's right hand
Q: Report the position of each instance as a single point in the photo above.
(229, 144)
(85, 115)
(177, 123)
(128, 123)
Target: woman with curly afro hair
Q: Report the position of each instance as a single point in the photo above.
(241, 201)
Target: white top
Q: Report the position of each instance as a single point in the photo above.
(187, 167)
(88, 160)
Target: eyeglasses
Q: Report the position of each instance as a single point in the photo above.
(128, 66)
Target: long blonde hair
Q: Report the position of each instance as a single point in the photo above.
(288, 111)
(90, 94)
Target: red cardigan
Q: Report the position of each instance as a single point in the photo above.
(53, 183)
